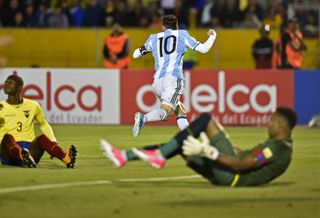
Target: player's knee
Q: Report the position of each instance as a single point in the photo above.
(7, 138)
(42, 140)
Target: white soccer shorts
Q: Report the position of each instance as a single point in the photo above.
(168, 89)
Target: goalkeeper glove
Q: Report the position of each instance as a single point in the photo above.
(192, 146)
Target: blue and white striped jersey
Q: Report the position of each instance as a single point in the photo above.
(168, 49)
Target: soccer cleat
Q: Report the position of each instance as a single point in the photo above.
(154, 157)
(138, 124)
(28, 159)
(115, 155)
(72, 154)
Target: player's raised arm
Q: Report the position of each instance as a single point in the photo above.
(205, 47)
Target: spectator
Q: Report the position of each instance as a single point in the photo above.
(255, 9)
(209, 9)
(156, 22)
(42, 15)
(168, 6)
(76, 13)
(92, 13)
(250, 21)
(65, 6)
(107, 14)
(215, 13)
(276, 13)
(9, 13)
(58, 19)
(292, 45)
(154, 8)
(190, 13)
(30, 17)
(116, 49)
(19, 20)
(262, 49)
(140, 15)
(181, 11)
(253, 15)
(120, 15)
(230, 14)
(311, 28)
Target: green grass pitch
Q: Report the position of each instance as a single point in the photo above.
(129, 192)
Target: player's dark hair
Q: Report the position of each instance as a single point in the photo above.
(169, 22)
(17, 79)
(289, 115)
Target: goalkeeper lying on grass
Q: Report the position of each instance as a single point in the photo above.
(214, 157)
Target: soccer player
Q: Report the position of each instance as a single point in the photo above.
(168, 48)
(214, 157)
(19, 145)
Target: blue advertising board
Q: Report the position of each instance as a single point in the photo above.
(307, 94)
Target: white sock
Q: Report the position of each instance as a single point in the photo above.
(182, 122)
(155, 115)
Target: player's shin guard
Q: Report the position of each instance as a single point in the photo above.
(51, 147)
(12, 147)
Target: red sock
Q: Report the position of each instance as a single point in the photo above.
(51, 147)
(12, 147)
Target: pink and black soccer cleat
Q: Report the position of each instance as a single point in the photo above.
(154, 157)
(115, 155)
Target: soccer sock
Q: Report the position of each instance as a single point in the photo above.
(155, 115)
(12, 147)
(182, 121)
(52, 148)
(131, 155)
(174, 146)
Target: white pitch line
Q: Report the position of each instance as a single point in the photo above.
(158, 179)
(89, 183)
(52, 186)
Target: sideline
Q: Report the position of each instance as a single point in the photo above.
(90, 183)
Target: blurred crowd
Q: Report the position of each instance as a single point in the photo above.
(147, 13)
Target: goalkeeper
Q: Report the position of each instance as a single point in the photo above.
(214, 157)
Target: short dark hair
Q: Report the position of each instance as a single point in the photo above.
(289, 115)
(17, 79)
(170, 22)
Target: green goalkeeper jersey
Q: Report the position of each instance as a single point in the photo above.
(274, 156)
